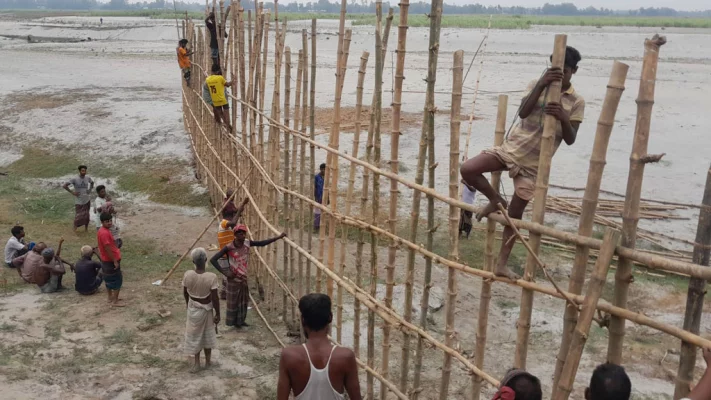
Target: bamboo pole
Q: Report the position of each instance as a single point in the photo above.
(539, 205)
(303, 282)
(427, 141)
(312, 154)
(376, 118)
(454, 133)
(490, 260)
(242, 72)
(292, 210)
(287, 166)
(394, 166)
(623, 276)
(349, 200)
(335, 140)
(587, 313)
(606, 121)
(695, 295)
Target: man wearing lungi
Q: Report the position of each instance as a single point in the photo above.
(237, 289)
(82, 185)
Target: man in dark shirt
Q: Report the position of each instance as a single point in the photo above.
(88, 273)
(212, 26)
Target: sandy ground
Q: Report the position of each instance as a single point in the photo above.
(122, 89)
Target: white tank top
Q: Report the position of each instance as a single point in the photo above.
(319, 385)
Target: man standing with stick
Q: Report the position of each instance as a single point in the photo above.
(520, 152)
(237, 254)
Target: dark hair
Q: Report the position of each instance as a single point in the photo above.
(183, 41)
(100, 188)
(105, 217)
(16, 230)
(322, 166)
(526, 386)
(216, 68)
(610, 382)
(81, 167)
(316, 311)
(572, 57)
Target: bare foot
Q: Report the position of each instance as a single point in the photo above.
(505, 272)
(117, 304)
(490, 208)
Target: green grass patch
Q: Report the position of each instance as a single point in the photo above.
(121, 336)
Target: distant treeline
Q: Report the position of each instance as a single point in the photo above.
(354, 6)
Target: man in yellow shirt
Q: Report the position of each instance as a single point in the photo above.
(216, 84)
(184, 59)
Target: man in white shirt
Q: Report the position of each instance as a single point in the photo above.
(15, 246)
(101, 199)
(465, 217)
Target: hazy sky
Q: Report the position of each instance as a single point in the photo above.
(686, 5)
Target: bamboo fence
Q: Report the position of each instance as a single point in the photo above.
(272, 172)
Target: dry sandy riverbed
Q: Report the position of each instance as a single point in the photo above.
(122, 91)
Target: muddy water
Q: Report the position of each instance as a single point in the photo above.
(130, 55)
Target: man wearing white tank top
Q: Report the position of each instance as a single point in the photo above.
(317, 370)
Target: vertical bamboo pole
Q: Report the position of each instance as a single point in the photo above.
(615, 87)
(485, 296)
(454, 133)
(349, 201)
(242, 81)
(539, 206)
(295, 288)
(326, 220)
(304, 284)
(426, 148)
(630, 213)
(335, 143)
(377, 115)
(312, 155)
(695, 295)
(582, 328)
(286, 167)
(394, 166)
(263, 83)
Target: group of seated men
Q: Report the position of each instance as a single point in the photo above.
(39, 264)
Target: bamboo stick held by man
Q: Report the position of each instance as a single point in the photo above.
(521, 151)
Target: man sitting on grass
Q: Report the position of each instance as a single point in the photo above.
(88, 273)
(16, 245)
(48, 275)
(28, 263)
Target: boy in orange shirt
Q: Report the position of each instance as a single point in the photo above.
(184, 60)
(216, 84)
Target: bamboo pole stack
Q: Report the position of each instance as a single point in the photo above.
(539, 206)
(623, 277)
(615, 87)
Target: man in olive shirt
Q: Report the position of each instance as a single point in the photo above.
(82, 185)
